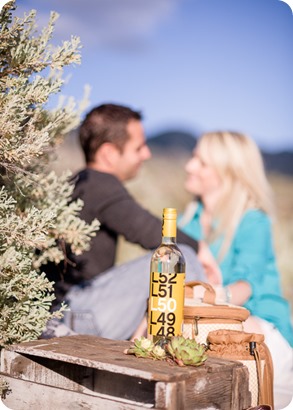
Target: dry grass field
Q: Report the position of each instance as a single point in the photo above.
(160, 184)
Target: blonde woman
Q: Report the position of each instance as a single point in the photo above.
(232, 212)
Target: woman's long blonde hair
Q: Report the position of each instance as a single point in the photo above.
(238, 162)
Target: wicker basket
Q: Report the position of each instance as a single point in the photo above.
(202, 318)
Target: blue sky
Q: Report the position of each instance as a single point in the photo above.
(195, 65)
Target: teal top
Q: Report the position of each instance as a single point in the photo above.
(251, 258)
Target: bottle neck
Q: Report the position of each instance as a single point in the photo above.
(168, 239)
(169, 231)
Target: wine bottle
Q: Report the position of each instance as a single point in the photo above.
(167, 279)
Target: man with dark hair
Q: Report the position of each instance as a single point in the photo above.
(106, 123)
(104, 299)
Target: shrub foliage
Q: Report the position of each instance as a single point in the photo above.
(35, 218)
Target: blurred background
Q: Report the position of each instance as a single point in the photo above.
(190, 66)
(160, 184)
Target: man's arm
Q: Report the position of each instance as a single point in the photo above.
(125, 216)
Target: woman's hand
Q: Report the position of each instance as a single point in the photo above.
(209, 264)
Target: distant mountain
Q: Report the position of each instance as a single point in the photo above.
(173, 141)
(176, 141)
(281, 162)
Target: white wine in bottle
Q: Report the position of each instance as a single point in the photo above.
(167, 279)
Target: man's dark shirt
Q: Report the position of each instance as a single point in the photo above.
(106, 199)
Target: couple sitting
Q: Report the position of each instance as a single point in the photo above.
(231, 213)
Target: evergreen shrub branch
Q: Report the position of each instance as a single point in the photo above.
(36, 216)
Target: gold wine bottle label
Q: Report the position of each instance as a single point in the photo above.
(166, 304)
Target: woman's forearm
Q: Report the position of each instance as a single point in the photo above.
(237, 293)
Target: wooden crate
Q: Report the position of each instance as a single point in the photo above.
(88, 372)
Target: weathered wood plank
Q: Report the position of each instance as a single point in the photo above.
(215, 389)
(241, 395)
(99, 353)
(217, 385)
(171, 396)
(104, 370)
(106, 354)
(78, 378)
(46, 371)
(32, 396)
